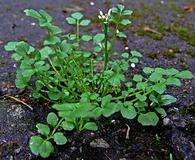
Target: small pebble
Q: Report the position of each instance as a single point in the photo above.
(33, 24)
(14, 65)
(162, 2)
(166, 121)
(92, 3)
(133, 65)
(126, 48)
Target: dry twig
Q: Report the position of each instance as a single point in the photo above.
(20, 101)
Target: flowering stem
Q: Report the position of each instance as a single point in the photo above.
(106, 46)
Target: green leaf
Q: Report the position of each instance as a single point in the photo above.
(16, 57)
(137, 78)
(167, 99)
(32, 13)
(54, 29)
(65, 106)
(20, 83)
(161, 111)
(86, 38)
(45, 52)
(160, 71)
(155, 77)
(65, 47)
(70, 20)
(85, 22)
(59, 138)
(142, 85)
(22, 48)
(129, 112)
(159, 88)
(125, 22)
(127, 13)
(97, 49)
(54, 95)
(77, 15)
(121, 35)
(67, 126)
(171, 72)
(121, 7)
(125, 55)
(148, 70)
(45, 15)
(52, 119)
(28, 73)
(98, 38)
(43, 129)
(91, 126)
(148, 119)
(116, 79)
(51, 40)
(72, 37)
(10, 46)
(106, 100)
(115, 10)
(141, 97)
(173, 81)
(136, 54)
(133, 60)
(185, 75)
(110, 109)
(34, 143)
(45, 149)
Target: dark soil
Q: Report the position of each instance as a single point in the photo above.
(166, 45)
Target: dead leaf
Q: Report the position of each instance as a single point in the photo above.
(148, 29)
(189, 8)
(1, 42)
(72, 8)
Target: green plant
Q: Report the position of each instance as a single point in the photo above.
(84, 85)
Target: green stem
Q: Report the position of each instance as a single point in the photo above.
(113, 38)
(54, 68)
(106, 46)
(77, 32)
(54, 130)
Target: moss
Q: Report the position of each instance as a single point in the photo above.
(191, 53)
(185, 34)
(49, 7)
(184, 66)
(150, 33)
(152, 55)
(168, 53)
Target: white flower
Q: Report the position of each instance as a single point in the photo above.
(133, 65)
(126, 48)
(104, 17)
(92, 3)
(109, 12)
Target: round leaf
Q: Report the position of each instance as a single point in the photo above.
(68, 126)
(70, 20)
(77, 15)
(85, 22)
(45, 149)
(98, 38)
(86, 38)
(34, 143)
(59, 138)
(128, 112)
(148, 119)
(90, 126)
(52, 119)
(43, 129)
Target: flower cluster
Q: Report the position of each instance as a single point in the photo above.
(105, 17)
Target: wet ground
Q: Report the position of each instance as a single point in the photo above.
(162, 30)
